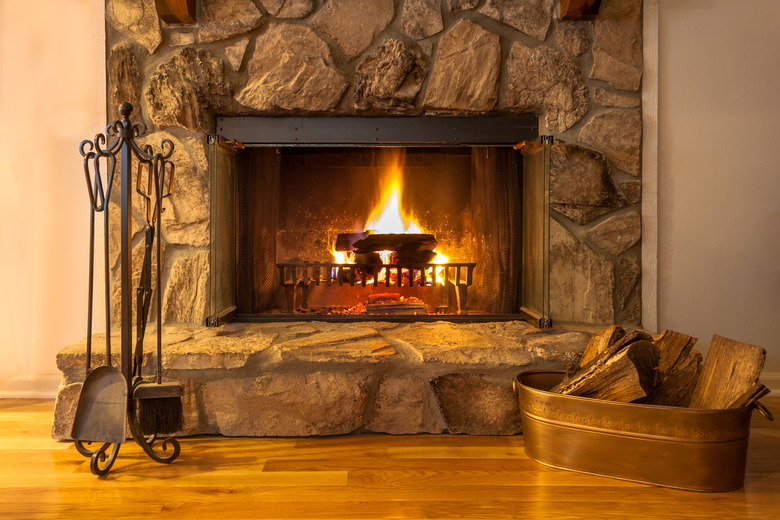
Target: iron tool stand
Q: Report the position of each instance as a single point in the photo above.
(119, 141)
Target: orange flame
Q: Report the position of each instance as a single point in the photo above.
(388, 216)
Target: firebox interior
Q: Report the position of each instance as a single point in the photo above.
(279, 203)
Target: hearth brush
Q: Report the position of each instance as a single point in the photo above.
(159, 407)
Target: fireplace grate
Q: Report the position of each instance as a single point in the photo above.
(296, 278)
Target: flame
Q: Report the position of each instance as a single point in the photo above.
(388, 216)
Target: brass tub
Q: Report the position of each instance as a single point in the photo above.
(695, 450)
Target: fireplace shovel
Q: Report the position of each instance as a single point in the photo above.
(101, 415)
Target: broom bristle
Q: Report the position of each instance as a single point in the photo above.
(160, 415)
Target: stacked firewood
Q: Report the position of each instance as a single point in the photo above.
(638, 367)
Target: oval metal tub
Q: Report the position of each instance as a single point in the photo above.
(682, 448)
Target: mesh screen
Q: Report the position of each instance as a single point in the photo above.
(497, 221)
(257, 214)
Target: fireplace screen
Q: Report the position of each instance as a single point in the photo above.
(448, 221)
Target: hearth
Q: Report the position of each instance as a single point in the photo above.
(398, 219)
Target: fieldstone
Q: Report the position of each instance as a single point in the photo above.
(616, 234)
(581, 282)
(292, 69)
(617, 46)
(402, 407)
(632, 313)
(235, 53)
(341, 346)
(65, 411)
(548, 83)
(465, 74)
(220, 351)
(289, 8)
(580, 185)
(632, 190)
(529, 16)
(421, 18)
(223, 19)
(462, 5)
(514, 330)
(185, 215)
(561, 347)
(354, 24)
(609, 98)
(573, 37)
(182, 90)
(124, 79)
(137, 19)
(391, 76)
(190, 410)
(619, 135)
(444, 342)
(186, 293)
(628, 271)
(474, 405)
(72, 360)
(181, 38)
(138, 253)
(287, 405)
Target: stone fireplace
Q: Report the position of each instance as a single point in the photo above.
(385, 58)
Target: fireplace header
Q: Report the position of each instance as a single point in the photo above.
(380, 131)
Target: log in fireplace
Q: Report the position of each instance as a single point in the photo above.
(320, 218)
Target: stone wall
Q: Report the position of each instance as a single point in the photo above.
(402, 57)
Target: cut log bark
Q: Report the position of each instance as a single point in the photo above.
(627, 374)
(730, 370)
(678, 369)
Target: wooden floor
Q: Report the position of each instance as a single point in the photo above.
(358, 476)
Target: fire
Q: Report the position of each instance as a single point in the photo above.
(388, 216)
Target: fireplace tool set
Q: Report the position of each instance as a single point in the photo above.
(114, 398)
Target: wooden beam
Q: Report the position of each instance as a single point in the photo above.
(177, 12)
(579, 9)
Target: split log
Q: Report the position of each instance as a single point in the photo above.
(753, 394)
(600, 341)
(626, 374)
(730, 370)
(396, 242)
(678, 369)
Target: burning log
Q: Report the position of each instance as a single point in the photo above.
(344, 241)
(399, 242)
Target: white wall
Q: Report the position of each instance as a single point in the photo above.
(719, 170)
(52, 95)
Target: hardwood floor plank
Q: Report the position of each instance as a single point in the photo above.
(349, 477)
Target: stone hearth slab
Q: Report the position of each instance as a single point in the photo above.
(316, 378)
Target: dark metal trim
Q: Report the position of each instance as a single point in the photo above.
(380, 131)
(344, 318)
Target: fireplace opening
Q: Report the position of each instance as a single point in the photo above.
(334, 219)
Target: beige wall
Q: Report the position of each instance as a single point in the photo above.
(51, 89)
(719, 171)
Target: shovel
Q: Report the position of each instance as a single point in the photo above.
(101, 415)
